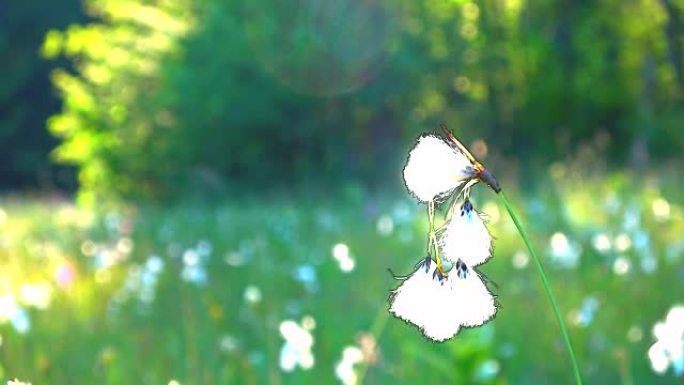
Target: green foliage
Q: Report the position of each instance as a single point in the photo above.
(170, 98)
(116, 107)
(126, 325)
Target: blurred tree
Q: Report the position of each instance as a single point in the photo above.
(26, 99)
(116, 122)
(175, 97)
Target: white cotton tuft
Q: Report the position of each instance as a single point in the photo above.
(420, 300)
(443, 322)
(441, 329)
(466, 237)
(472, 300)
(440, 309)
(434, 168)
(411, 301)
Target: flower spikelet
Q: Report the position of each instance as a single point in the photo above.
(465, 237)
(434, 168)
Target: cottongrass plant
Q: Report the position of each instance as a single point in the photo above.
(445, 292)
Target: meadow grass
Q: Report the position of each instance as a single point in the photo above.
(196, 292)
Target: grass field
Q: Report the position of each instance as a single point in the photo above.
(203, 294)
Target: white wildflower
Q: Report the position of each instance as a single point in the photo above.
(13, 312)
(434, 168)
(297, 348)
(37, 295)
(466, 237)
(341, 253)
(344, 370)
(668, 350)
(17, 382)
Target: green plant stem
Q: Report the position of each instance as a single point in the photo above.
(376, 331)
(546, 284)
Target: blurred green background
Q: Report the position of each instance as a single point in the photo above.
(210, 192)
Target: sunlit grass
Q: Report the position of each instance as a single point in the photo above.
(200, 293)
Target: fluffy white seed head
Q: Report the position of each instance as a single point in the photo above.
(412, 300)
(441, 308)
(472, 300)
(441, 329)
(466, 237)
(434, 168)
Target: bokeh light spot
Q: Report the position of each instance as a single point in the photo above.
(488, 370)
(623, 242)
(520, 259)
(252, 294)
(470, 11)
(479, 149)
(340, 251)
(635, 334)
(343, 257)
(661, 209)
(622, 265)
(385, 225)
(563, 252)
(308, 322)
(347, 265)
(601, 243)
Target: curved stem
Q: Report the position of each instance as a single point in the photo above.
(432, 244)
(546, 284)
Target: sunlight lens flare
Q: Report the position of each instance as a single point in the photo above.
(324, 48)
